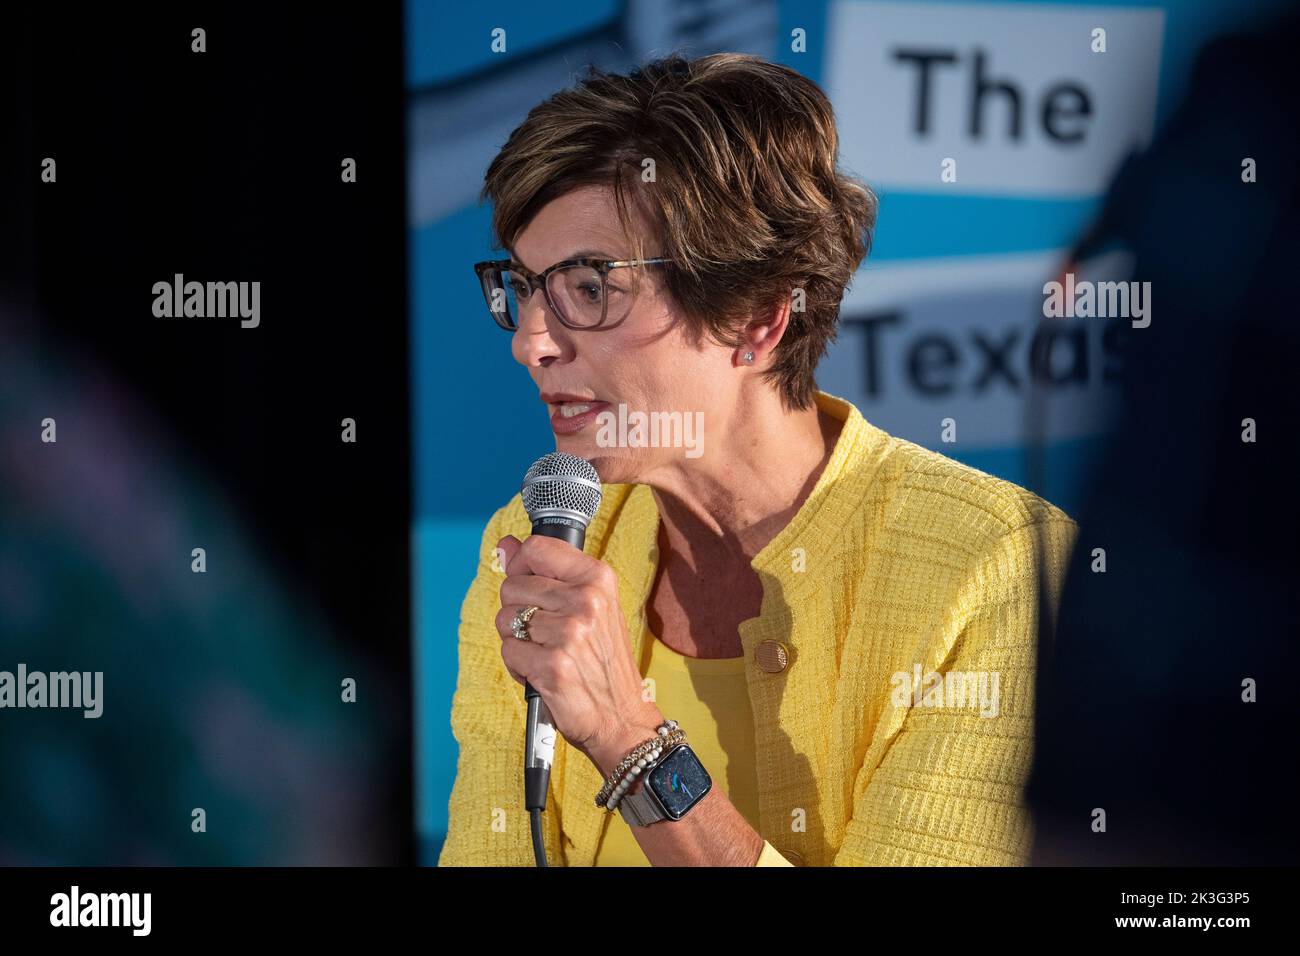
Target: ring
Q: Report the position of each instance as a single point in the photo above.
(520, 624)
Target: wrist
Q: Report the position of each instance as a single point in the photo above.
(608, 752)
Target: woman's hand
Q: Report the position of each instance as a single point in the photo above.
(579, 657)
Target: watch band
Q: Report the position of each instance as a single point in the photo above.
(642, 808)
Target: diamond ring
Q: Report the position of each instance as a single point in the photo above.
(520, 624)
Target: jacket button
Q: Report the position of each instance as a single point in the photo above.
(772, 656)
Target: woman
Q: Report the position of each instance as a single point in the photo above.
(843, 624)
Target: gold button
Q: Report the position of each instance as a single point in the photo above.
(772, 656)
(792, 856)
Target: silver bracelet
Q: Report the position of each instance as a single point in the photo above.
(667, 729)
(667, 732)
(644, 765)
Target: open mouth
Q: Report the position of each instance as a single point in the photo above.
(569, 416)
(572, 409)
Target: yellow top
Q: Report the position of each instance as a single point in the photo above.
(890, 671)
(709, 698)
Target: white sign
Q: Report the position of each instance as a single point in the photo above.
(965, 338)
(1005, 99)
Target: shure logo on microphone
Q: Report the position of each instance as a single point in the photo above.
(208, 300)
(102, 909)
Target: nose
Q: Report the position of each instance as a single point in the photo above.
(539, 339)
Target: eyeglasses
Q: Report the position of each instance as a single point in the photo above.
(579, 291)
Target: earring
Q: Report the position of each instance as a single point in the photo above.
(749, 357)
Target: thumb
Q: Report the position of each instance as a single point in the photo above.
(507, 548)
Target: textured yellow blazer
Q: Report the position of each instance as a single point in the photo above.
(890, 670)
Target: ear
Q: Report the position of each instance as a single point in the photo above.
(763, 334)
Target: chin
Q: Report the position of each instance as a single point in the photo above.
(612, 464)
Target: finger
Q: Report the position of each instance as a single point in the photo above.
(526, 589)
(556, 559)
(529, 662)
(543, 627)
(506, 549)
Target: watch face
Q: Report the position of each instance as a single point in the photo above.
(680, 781)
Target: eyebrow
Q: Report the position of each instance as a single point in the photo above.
(579, 254)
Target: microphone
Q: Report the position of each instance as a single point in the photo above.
(561, 493)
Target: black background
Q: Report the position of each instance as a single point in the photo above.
(225, 166)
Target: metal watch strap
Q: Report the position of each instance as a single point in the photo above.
(640, 808)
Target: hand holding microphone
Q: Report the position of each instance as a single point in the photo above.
(577, 650)
(579, 654)
(574, 646)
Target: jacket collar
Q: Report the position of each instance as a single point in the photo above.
(632, 550)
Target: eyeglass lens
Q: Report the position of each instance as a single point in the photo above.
(583, 297)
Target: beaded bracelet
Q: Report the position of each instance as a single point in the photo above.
(645, 763)
(667, 729)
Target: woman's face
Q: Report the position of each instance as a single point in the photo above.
(645, 363)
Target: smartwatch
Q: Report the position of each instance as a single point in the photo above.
(668, 789)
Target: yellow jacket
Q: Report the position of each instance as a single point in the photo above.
(904, 598)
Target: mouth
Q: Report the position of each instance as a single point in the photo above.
(571, 414)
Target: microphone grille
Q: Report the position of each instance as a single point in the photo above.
(560, 482)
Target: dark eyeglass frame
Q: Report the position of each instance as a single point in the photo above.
(538, 280)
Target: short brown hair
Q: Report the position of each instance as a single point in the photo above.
(747, 198)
